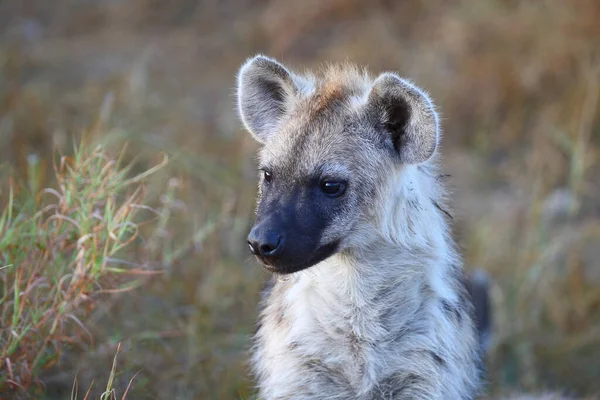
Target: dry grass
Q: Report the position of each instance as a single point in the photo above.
(60, 251)
(517, 83)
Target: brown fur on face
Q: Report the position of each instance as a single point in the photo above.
(336, 86)
(330, 95)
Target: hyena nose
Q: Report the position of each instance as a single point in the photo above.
(264, 244)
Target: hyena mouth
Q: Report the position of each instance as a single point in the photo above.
(290, 263)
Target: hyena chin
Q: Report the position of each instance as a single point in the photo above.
(367, 299)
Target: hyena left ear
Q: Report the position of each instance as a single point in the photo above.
(265, 89)
(407, 115)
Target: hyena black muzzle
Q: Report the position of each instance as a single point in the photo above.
(288, 232)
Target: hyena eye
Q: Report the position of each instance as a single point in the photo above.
(333, 188)
(267, 175)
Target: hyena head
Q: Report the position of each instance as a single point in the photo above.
(330, 146)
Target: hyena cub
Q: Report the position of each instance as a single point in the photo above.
(367, 299)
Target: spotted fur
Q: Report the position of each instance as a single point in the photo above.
(386, 315)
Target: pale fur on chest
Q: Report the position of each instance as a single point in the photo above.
(347, 329)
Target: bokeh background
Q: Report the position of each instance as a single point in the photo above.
(518, 86)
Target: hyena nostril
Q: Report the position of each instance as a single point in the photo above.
(264, 243)
(253, 248)
(271, 247)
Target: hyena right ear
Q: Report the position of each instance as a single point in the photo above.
(407, 116)
(264, 91)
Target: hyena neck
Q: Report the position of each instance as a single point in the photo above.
(383, 279)
(407, 240)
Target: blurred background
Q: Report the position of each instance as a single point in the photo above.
(518, 86)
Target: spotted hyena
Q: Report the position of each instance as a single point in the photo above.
(367, 299)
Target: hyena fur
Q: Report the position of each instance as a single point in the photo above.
(367, 299)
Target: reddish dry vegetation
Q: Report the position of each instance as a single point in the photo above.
(518, 86)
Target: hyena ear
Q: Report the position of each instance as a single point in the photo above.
(264, 90)
(407, 115)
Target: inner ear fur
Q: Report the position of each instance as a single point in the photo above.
(264, 90)
(407, 115)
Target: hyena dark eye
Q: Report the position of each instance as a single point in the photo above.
(332, 188)
(267, 175)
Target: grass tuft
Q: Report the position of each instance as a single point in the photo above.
(59, 251)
